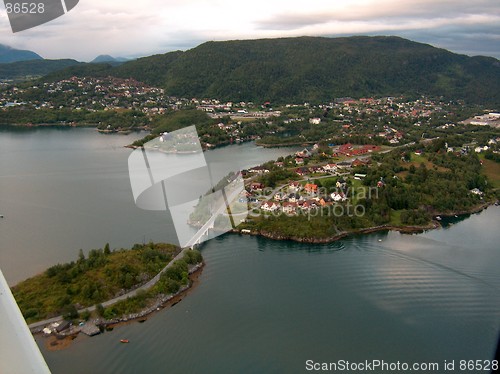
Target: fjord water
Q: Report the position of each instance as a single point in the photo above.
(64, 189)
(261, 306)
(267, 306)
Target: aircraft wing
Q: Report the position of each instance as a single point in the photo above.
(19, 353)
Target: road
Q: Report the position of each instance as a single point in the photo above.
(105, 304)
(156, 278)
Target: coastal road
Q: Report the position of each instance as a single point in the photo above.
(105, 304)
(156, 278)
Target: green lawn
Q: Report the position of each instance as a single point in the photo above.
(492, 171)
(396, 217)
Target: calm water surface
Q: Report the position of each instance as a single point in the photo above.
(66, 189)
(261, 306)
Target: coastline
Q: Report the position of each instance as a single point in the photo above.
(120, 131)
(434, 224)
(278, 145)
(58, 124)
(62, 340)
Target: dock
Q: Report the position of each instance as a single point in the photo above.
(90, 329)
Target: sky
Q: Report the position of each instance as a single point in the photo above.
(126, 28)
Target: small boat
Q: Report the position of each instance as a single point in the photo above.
(438, 218)
(124, 340)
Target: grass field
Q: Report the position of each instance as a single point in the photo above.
(492, 171)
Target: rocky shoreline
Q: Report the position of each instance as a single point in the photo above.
(61, 340)
(343, 234)
(434, 224)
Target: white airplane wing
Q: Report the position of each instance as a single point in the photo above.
(19, 353)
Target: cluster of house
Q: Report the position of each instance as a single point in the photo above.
(466, 148)
(97, 93)
(295, 197)
(394, 106)
(391, 134)
(217, 109)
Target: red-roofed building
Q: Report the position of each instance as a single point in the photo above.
(290, 208)
(311, 188)
(357, 162)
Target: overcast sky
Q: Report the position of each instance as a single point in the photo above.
(126, 28)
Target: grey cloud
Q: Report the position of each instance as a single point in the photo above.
(469, 41)
(472, 40)
(389, 11)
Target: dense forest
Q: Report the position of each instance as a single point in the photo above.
(310, 69)
(90, 280)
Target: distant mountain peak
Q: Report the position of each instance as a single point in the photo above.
(9, 54)
(103, 58)
(107, 58)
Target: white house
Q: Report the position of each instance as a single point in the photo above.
(476, 191)
(294, 187)
(480, 149)
(289, 207)
(270, 206)
(338, 196)
(279, 196)
(330, 168)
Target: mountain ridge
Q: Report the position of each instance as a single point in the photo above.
(314, 69)
(9, 54)
(21, 70)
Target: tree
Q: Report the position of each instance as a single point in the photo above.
(69, 312)
(99, 310)
(107, 251)
(81, 256)
(85, 315)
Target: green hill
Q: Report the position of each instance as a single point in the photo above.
(33, 68)
(9, 54)
(314, 69)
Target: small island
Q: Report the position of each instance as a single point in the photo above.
(105, 288)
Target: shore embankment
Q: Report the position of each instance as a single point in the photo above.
(407, 229)
(63, 339)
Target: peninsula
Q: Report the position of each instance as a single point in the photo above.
(328, 191)
(105, 287)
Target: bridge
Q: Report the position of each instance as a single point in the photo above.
(222, 205)
(196, 239)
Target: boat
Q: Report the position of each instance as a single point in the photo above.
(438, 218)
(124, 340)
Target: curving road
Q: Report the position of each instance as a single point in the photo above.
(105, 304)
